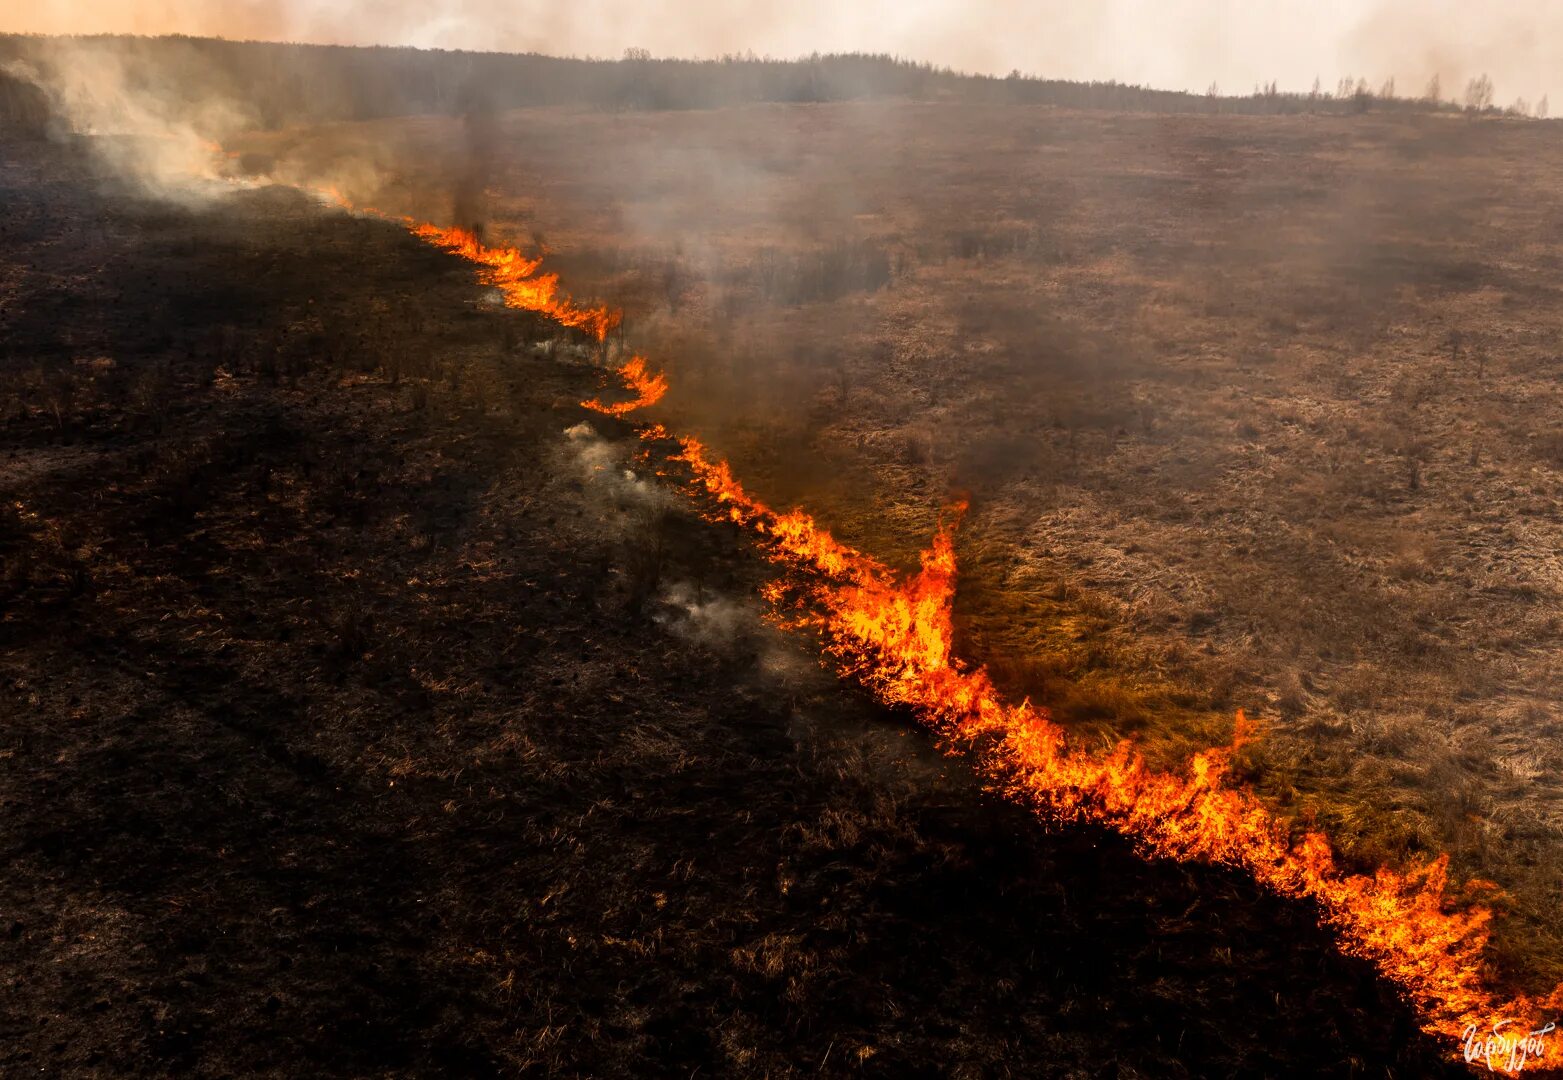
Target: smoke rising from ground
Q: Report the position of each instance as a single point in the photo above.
(158, 126)
(600, 463)
(714, 621)
(632, 507)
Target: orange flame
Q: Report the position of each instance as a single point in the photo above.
(504, 268)
(895, 636)
(648, 386)
(507, 270)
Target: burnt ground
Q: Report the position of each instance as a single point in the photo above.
(1251, 412)
(344, 735)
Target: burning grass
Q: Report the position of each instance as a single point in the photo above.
(896, 636)
(335, 746)
(899, 633)
(1251, 416)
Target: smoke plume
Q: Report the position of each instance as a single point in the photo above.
(157, 125)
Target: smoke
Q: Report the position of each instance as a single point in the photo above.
(1416, 39)
(600, 464)
(632, 508)
(159, 126)
(160, 119)
(714, 621)
(737, 629)
(480, 134)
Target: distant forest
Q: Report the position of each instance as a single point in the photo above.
(284, 84)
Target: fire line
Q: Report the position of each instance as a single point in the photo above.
(894, 635)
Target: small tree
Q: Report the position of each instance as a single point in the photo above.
(1435, 90)
(1362, 97)
(841, 378)
(1542, 108)
(1478, 94)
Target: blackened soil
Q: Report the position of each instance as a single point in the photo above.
(338, 736)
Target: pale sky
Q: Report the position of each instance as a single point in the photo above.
(1175, 44)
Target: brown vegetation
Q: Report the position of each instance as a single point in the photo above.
(1254, 412)
(335, 744)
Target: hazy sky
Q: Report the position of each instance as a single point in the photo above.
(1179, 44)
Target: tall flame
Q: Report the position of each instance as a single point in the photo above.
(895, 635)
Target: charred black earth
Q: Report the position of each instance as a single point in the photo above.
(348, 731)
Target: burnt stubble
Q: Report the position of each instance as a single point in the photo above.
(335, 744)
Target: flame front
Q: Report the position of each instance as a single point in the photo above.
(649, 386)
(515, 276)
(895, 635)
(502, 267)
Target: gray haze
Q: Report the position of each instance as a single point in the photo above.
(1173, 44)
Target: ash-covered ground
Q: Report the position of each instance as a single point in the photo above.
(358, 724)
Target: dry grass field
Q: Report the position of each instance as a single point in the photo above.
(340, 739)
(1254, 412)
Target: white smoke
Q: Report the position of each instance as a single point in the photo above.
(163, 136)
(601, 464)
(707, 619)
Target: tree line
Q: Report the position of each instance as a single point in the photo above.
(283, 84)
